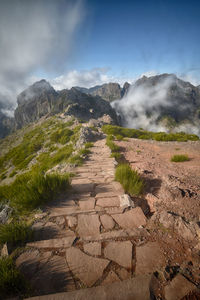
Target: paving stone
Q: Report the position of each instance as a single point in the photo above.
(120, 252)
(149, 258)
(107, 222)
(118, 187)
(111, 277)
(131, 219)
(136, 288)
(72, 221)
(60, 220)
(114, 210)
(88, 225)
(63, 211)
(88, 269)
(123, 274)
(82, 185)
(108, 202)
(93, 248)
(178, 288)
(87, 204)
(54, 243)
(53, 277)
(27, 262)
(105, 195)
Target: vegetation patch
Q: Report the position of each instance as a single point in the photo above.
(15, 233)
(180, 158)
(129, 179)
(12, 282)
(31, 190)
(147, 135)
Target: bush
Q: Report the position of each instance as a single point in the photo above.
(111, 144)
(88, 145)
(31, 190)
(76, 160)
(116, 155)
(180, 158)
(129, 179)
(119, 137)
(15, 233)
(12, 281)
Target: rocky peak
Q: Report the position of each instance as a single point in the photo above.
(38, 89)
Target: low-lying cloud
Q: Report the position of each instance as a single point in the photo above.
(141, 107)
(34, 36)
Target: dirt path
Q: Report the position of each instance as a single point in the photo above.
(96, 237)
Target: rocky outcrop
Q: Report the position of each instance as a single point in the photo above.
(6, 125)
(108, 91)
(41, 99)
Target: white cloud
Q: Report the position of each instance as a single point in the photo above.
(34, 35)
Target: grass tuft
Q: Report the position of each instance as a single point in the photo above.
(180, 158)
(12, 281)
(129, 179)
(15, 233)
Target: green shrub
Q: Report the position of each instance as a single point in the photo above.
(143, 134)
(84, 152)
(119, 137)
(109, 142)
(129, 179)
(12, 281)
(15, 233)
(180, 158)
(76, 160)
(13, 173)
(61, 136)
(31, 190)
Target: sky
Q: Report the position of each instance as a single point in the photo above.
(90, 42)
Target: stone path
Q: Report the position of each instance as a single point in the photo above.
(93, 237)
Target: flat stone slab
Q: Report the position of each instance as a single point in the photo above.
(88, 269)
(106, 236)
(93, 248)
(149, 258)
(108, 202)
(88, 225)
(131, 219)
(54, 243)
(87, 204)
(136, 288)
(53, 277)
(71, 221)
(123, 274)
(107, 222)
(178, 288)
(82, 185)
(105, 195)
(120, 252)
(111, 277)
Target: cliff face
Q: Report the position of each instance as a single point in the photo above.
(41, 99)
(6, 125)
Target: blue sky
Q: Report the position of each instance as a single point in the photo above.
(133, 37)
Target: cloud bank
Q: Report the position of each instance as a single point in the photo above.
(34, 35)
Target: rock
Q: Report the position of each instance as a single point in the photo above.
(5, 213)
(119, 252)
(60, 220)
(178, 288)
(151, 200)
(136, 288)
(88, 225)
(93, 248)
(87, 204)
(54, 243)
(88, 269)
(131, 219)
(107, 222)
(4, 250)
(40, 216)
(72, 221)
(125, 201)
(149, 258)
(27, 262)
(111, 277)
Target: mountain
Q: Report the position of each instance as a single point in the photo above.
(41, 99)
(107, 91)
(159, 102)
(6, 125)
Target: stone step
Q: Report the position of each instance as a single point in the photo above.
(137, 288)
(59, 243)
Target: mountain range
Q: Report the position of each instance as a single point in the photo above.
(162, 99)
